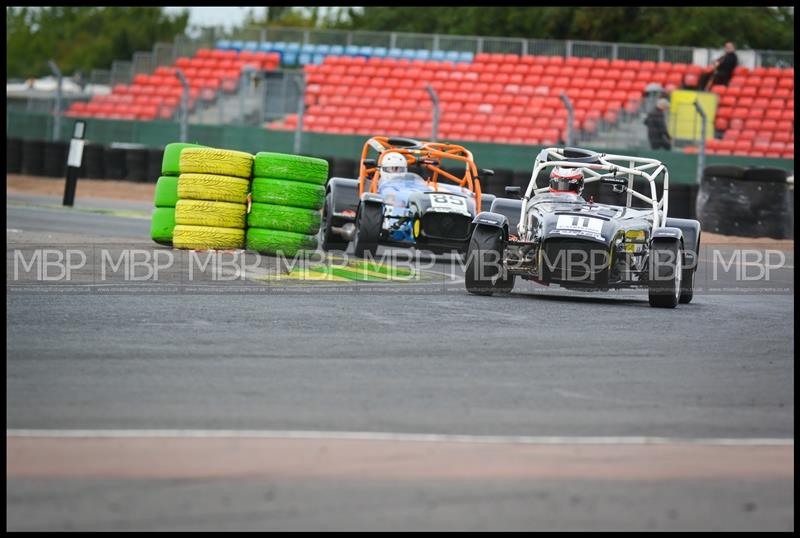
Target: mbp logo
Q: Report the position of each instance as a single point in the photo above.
(49, 265)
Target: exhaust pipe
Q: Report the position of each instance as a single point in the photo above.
(347, 230)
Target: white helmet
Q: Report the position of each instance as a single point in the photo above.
(393, 163)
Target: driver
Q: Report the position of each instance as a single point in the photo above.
(564, 179)
(393, 166)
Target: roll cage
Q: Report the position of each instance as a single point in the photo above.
(593, 164)
(428, 155)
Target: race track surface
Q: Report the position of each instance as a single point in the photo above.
(432, 359)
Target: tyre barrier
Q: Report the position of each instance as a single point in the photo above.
(115, 163)
(93, 161)
(154, 160)
(287, 195)
(55, 159)
(166, 167)
(136, 165)
(33, 157)
(13, 155)
(211, 208)
(753, 202)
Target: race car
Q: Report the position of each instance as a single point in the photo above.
(552, 235)
(405, 196)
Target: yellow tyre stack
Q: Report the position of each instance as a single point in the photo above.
(162, 223)
(212, 199)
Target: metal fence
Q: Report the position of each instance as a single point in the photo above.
(479, 44)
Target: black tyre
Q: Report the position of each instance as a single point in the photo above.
(769, 175)
(13, 155)
(666, 271)
(723, 170)
(329, 240)
(687, 278)
(483, 274)
(33, 157)
(368, 229)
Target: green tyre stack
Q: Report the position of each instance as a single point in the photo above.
(162, 222)
(287, 194)
(212, 194)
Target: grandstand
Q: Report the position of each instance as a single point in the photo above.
(485, 97)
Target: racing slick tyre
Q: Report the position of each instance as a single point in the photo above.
(291, 167)
(213, 187)
(484, 255)
(161, 225)
(170, 163)
(284, 218)
(206, 213)
(207, 237)
(220, 162)
(368, 229)
(687, 286)
(329, 240)
(288, 193)
(665, 273)
(275, 242)
(687, 278)
(166, 192)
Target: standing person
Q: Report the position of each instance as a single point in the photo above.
(657, 126)
(721, 70)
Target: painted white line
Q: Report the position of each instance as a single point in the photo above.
(403, 437)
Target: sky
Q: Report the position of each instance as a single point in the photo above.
(217, 16)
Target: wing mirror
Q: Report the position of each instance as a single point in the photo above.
(432, 162)
(485, 173)
(514, 192)
(370, 163)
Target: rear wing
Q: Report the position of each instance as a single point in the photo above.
(596, 166)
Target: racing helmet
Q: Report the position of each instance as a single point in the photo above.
(564, 179)
(393, 164)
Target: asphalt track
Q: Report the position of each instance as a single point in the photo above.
(541, 363)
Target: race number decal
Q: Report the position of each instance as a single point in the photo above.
(579, 224)
(448, 203)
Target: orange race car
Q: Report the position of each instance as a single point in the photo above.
(408, 193)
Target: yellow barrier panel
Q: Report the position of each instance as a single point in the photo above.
(684, 121)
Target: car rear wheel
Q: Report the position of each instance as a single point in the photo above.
(484, 272)
(666, 271)
(368, 229)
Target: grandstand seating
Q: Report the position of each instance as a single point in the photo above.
(158, 95)
(502, 98)
(755, 114)
(294, 54)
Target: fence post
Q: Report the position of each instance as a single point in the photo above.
(435, 121)
(615, 51)
(298, 131)
(184, 104)
(570, 114)
(568, 48)
(701, 154)
(57, 119)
